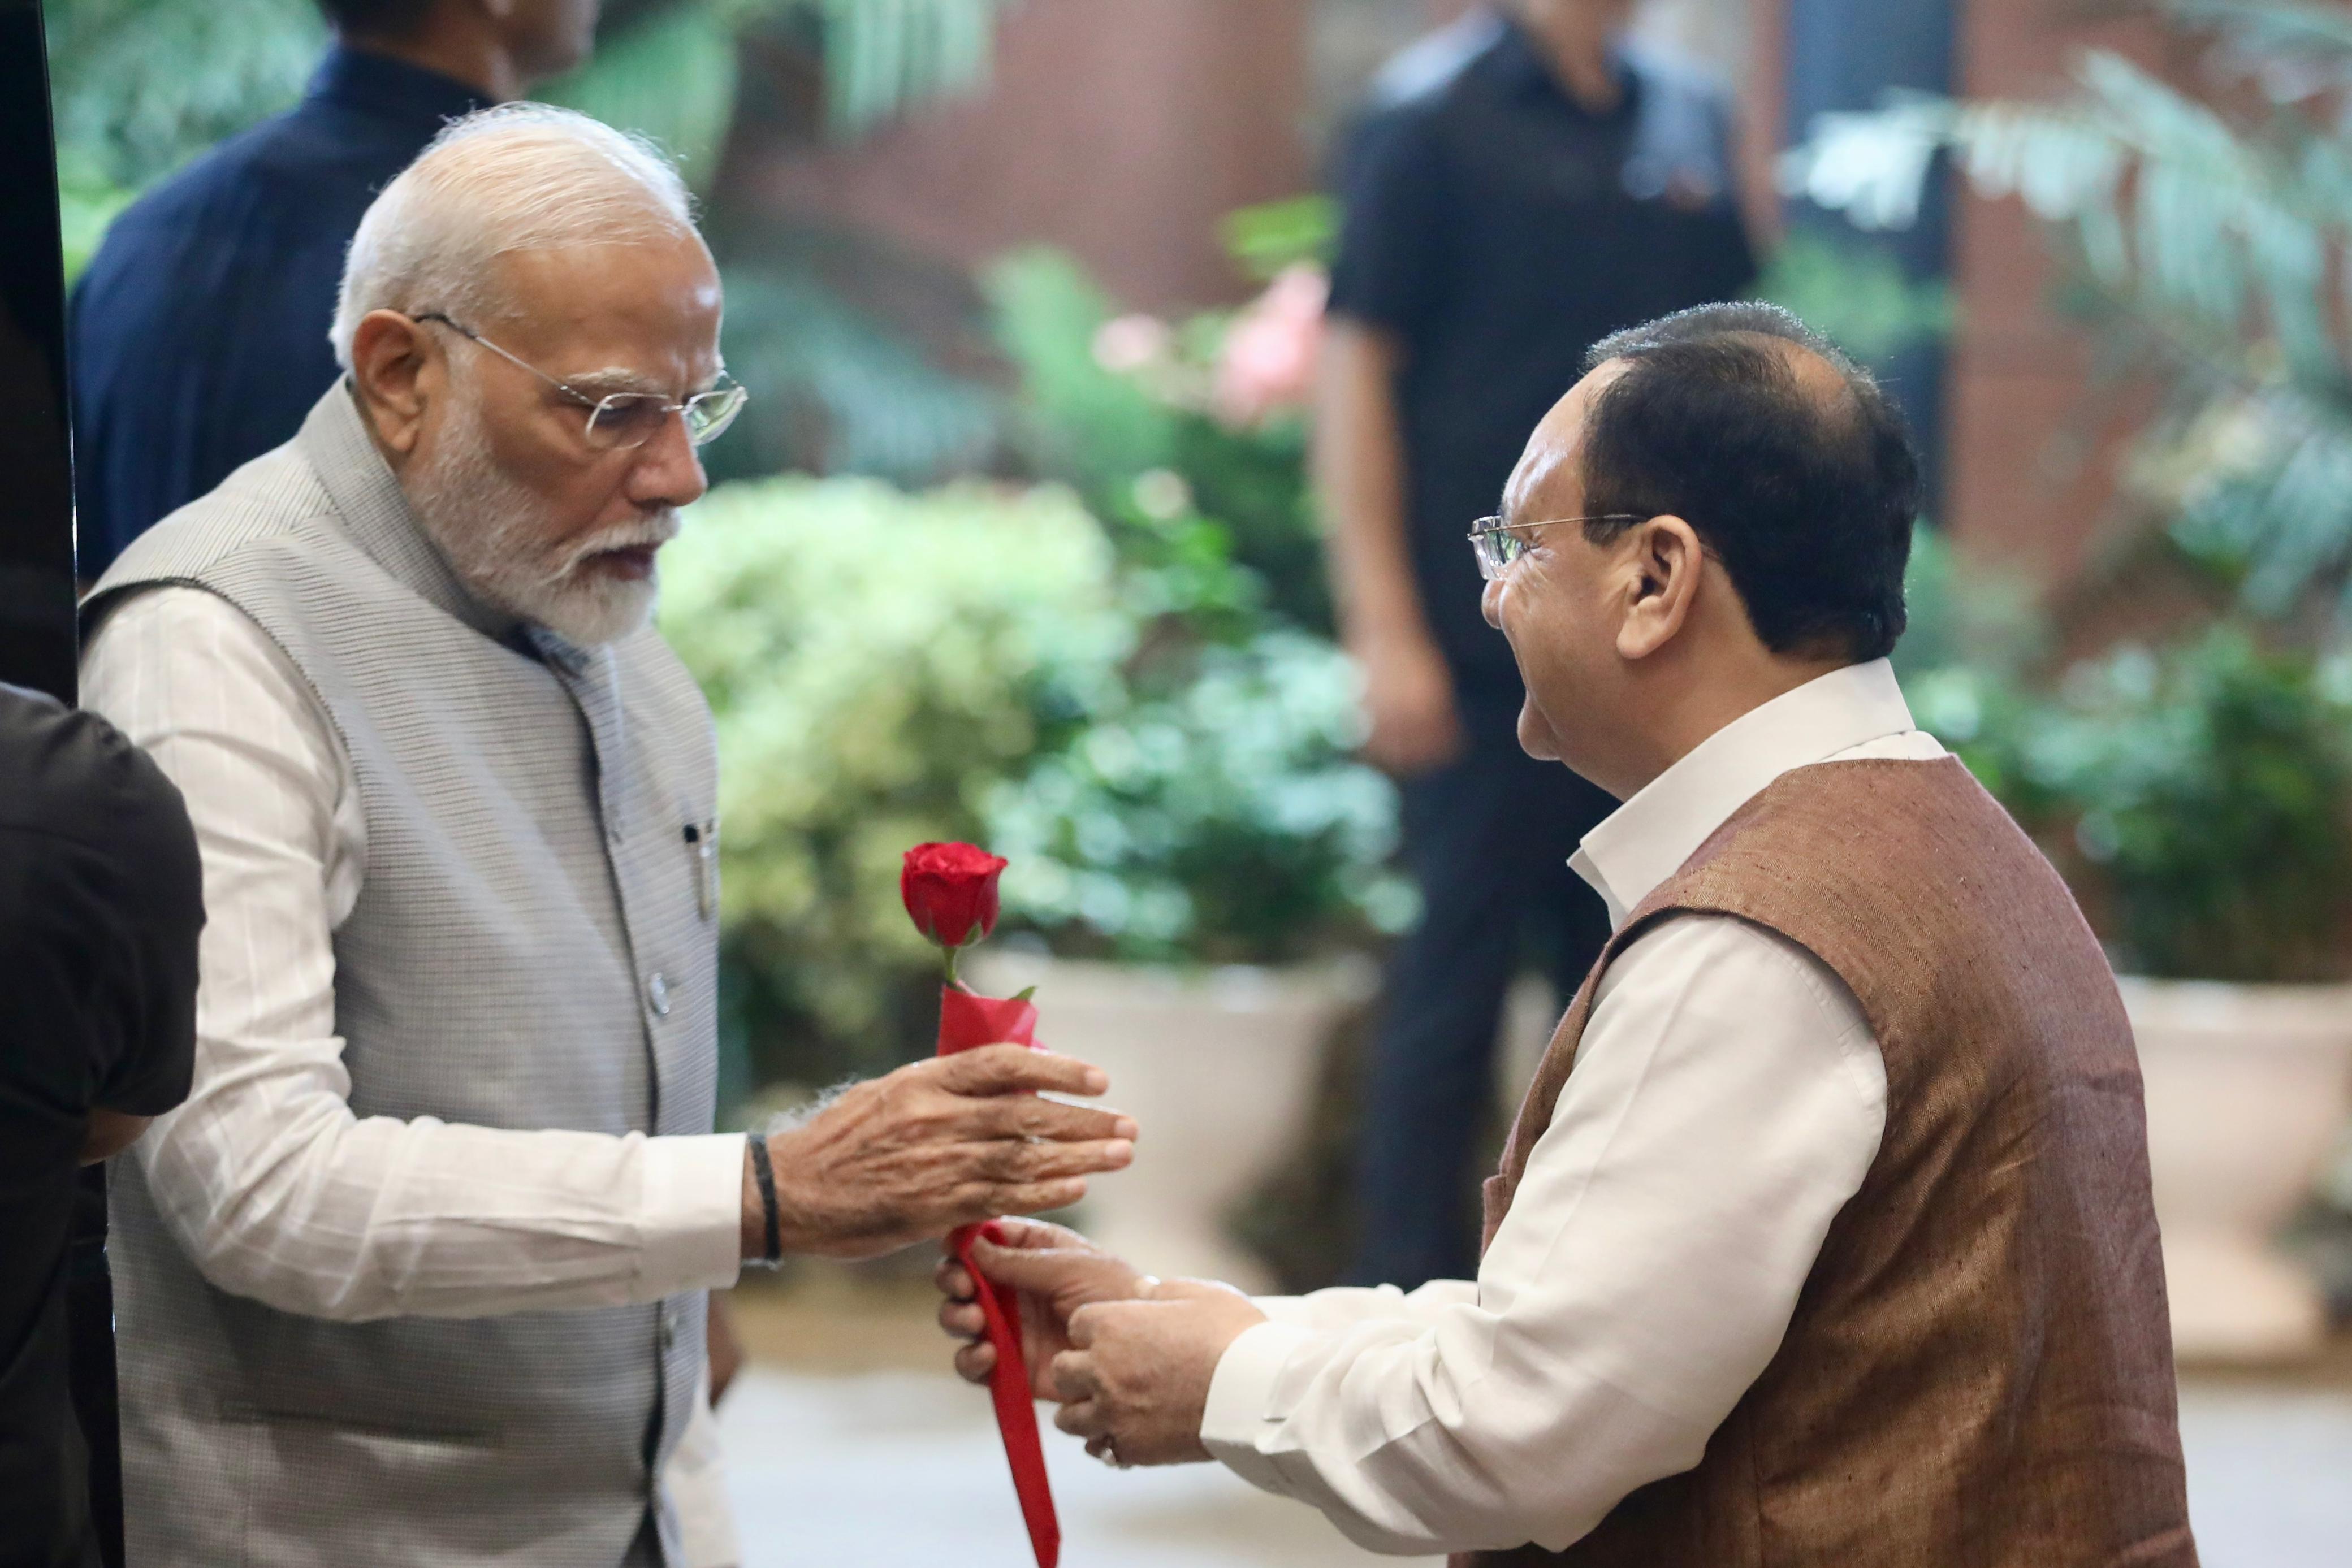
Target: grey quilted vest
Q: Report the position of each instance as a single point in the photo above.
(530, 949)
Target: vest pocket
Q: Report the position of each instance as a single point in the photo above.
(315, 1489)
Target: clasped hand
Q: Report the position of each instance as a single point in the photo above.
(1128, 1357)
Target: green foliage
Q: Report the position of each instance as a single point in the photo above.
(671, 77)
(837, 392)
(1860, 298)
(1224, 822)
(975, 663)
(1086, 424)
(2214, 235)
(1267, 238)
(671, 73)
(1143, 444)
(2210, 789)
(878, 663)
(142, 86)
(2198, 798)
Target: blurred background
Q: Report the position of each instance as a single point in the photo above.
(1016, 544)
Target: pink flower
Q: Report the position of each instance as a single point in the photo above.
(1268, 361)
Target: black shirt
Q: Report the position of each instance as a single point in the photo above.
(100, 902)
(200, 330)
(1499, 230)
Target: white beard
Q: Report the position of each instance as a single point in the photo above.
(492, 529)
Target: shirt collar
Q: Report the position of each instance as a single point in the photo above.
(1521, 66)
(393, 88)
(1647, 839)
(375, 510)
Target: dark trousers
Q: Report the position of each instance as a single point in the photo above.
(1488, 837)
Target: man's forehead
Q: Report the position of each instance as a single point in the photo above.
(1550, 472)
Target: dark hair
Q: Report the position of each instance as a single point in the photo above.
(375, 19)
(1809, 498)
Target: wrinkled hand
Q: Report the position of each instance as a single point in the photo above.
(1057, 1271)
(1135, 1381)
(952, 1141)
(1409, 706)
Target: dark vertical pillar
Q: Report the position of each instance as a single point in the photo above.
(1848, 55)
(38, 646)
(37, 552)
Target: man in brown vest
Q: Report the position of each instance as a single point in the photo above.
(1823, 1237)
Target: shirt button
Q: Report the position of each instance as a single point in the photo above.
(658, 994)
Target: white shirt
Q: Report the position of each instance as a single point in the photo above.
(265, 1175)
(1728, 1099)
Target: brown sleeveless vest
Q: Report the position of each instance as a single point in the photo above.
(1978, 1374)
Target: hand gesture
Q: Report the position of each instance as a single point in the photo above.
(1135, 1381)
(952, 1141)
(1057, 1271)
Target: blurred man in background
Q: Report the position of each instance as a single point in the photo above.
(200, 330)
(99, 907)
(418, 1275)
(1526, 183)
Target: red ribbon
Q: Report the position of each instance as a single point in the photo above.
(966, 1021)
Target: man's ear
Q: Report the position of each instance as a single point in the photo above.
(399, 370)
(1664, 564)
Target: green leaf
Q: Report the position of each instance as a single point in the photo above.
(671, 79)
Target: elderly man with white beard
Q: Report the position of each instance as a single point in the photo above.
(418, 1275)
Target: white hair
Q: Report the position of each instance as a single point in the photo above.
(521, 177)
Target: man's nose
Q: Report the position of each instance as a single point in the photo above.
(668, 471)
(1490, 602)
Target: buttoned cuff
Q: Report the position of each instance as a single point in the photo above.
(1240, 1400)
(693, 1214)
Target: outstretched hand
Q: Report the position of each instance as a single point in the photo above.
(1055, 1272)
(955, 1140)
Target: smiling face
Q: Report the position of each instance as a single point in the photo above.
(497, 462)
(1561, 603)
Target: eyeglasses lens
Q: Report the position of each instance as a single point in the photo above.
(709, 414)
(627, 419)
(1496, 549)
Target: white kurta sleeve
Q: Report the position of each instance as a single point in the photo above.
(275, 1187)
(1727, 1101)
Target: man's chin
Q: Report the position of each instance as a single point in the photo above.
(604, 609)
(1536, 737)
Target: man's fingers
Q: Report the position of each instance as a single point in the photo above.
(1082, 1418)
(1010, 1162)
(976, 1361)
(962, 1320)
(1016, 1069)
(1029, 1198)
(1037, 1270)
(1074, 1376)
(1037, 1233)
(953, 1279)
(1024, 1116)
(1082, 1326)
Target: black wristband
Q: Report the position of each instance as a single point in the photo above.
(764, 1174)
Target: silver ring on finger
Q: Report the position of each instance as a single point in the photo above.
(1105, 1448)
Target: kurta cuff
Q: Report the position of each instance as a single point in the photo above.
(693, 1213)
(1241, 1396)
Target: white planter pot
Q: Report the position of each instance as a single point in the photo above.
(1215, 1065)
(2247, 1091)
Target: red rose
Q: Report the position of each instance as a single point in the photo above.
(950, 892)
